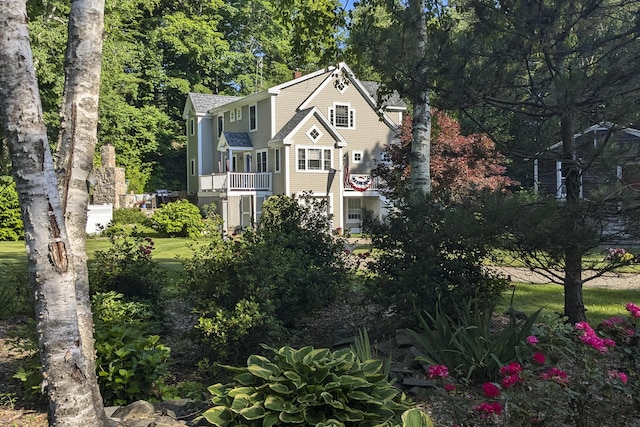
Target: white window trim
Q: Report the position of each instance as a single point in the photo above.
(266, 161)
(354, 154)
(239, 113)
(255, 107)
(232, 115)
(192, 126)
(310, 131)
(322, 159)
(350, 112)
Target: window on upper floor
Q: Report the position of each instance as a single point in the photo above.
(314, 159)
(239, 113)
(232, 115)
(192, 126)
(193, 167)
(261, 161)
(385, 158)
(253, 117)
(357, 157)
(342, 116)
(220, 125)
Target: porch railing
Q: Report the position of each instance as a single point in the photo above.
(359, 183)
(236, 181)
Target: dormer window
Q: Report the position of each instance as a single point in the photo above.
(314, 134)
(342, 116)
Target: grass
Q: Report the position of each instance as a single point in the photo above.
(600, 303)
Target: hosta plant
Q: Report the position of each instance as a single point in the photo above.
(307, 386)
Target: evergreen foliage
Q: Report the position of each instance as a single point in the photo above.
(11, 227)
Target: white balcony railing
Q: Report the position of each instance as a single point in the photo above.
(362, 183)
(236, 181)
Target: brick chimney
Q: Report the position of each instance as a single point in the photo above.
(297, 74)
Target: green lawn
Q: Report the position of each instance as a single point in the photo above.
(600, 303)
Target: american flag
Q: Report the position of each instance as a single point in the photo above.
(346, 171)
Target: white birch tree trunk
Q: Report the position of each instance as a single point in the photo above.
(421, 133)
(75, 152)
(70, 387)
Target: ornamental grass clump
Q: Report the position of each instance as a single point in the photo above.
(307, 386)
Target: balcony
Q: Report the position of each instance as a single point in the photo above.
(236, 181)
(362, 183)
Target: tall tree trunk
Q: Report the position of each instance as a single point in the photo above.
(573, 301)
(76, 149)
(70, 388)
(421, 132)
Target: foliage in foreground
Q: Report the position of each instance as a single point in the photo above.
(127, 268)
(267, 279)
(467, 346)
(572, 375)
(130, 361)
(307, 386)
(431, 254)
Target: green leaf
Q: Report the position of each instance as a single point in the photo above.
(240, 402)
(253, 412)
(245, 378)
(275, 403)
(292, 418)
(280, 388)
(416, 418)
(270, 420)
(218, 415)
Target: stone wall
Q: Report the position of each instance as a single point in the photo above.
(110, 182)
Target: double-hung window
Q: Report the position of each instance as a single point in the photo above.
(314, 159)
(261, 161)
(342, 116)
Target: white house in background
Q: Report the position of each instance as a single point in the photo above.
(320, 133)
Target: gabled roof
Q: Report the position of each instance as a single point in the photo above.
(203, 102)
(358, 85)
(234, 140)
(298, 120)
(600, 127)
(393, 101)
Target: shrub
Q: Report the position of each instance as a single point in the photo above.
(293, 262)
(430, 254)
(16, 296)
(308, 387)
(129, 216)
(130, 363)
(178, 219)
(11, 227)
(127, 268)
(465, 344)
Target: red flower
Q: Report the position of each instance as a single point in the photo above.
(487, 409)
(539, 358)
(491, 390)
(511, 380)
(511, 369)
(438, 371)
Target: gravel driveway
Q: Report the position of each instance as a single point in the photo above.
(609, 280)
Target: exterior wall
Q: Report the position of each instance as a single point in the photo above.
(208, 152)
(290, 98)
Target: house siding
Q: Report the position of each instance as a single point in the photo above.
(291, 97)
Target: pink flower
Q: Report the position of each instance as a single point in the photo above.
(633, 309)
(438, 371)
(557, 375)
(532, 339)
(486, 409)
(511, 369)
(449, 388)
(539, 358)
(613, 374)
(590, 338)
(491, 390)
(511, 380)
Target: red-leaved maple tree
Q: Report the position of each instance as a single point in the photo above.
(461, 165)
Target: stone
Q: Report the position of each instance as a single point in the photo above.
(136, 410)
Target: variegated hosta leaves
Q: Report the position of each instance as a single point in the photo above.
(307, 386)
